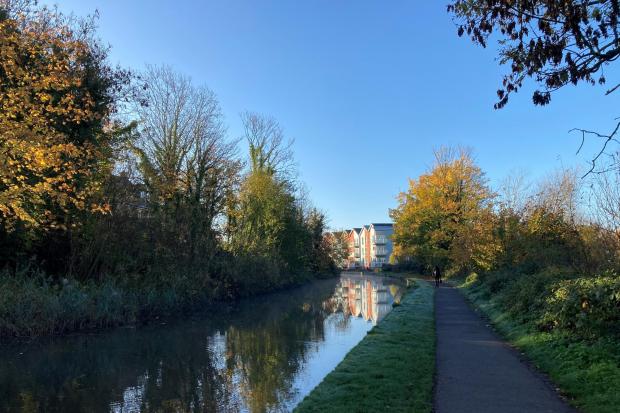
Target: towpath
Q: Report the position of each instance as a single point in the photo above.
(477, 371)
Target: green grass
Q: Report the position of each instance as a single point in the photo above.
(586, 371)
(391, 369)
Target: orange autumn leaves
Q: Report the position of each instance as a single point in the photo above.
(49, 151)
(445, 218)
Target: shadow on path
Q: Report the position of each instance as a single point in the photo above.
(477, 371)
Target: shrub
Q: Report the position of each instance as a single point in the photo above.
(524, 295)
(497, 281)
(472, 279)
(38, 305)
(408, 265)
(586, 306)
(556, 299)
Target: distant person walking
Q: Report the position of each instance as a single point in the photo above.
(437, 275)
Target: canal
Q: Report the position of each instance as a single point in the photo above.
(257, 355)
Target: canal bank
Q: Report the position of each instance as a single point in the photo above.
(391, 369)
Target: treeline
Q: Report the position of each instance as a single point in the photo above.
(121, 195)
(548, 254)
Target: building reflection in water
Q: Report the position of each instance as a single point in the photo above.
(258, 355)
(369, 297)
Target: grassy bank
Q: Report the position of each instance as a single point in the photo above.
(585, 366)
(391, 369)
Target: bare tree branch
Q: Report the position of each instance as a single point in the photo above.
(607, 139)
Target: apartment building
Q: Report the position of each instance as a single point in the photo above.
(354, 259)
(380, 244)
(365, 246)
(370, 246)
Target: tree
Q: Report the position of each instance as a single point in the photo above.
(555, 42)
(337, 245)
(58, 96)
(59, 129)
(606, 194)
(544, 229)
(514, 192)
(188, 166)
(445, 216)
(269, 150)
(264, 210)
(266, 219)
(270, 217)
(327, 251)
(559, 193)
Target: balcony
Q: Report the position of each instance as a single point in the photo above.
(380, 241)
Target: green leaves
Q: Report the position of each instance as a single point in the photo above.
(586, 306)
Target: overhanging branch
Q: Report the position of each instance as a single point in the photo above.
(607, 139)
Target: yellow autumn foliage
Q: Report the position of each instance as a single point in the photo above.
(50, 121)
(445, 218)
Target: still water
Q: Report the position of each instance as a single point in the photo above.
(258, 355)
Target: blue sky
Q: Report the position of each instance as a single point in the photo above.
(366, 88)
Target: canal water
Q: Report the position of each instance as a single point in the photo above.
(257, 355)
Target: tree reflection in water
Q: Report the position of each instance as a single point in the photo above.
(246, 356)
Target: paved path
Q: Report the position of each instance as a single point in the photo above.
(477, 371)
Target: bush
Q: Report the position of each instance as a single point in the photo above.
(406, 266)
(37, 305)
(525, 295)
(472, 278)
(556, 299)
(497, 281)
(586, 306)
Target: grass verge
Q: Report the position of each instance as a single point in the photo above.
(586, 371)
(391, 369)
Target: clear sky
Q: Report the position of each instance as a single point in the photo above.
(366, 88)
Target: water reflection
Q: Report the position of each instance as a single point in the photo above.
(259, 355)
(367, 297)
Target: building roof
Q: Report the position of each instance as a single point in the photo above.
(382, 225)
